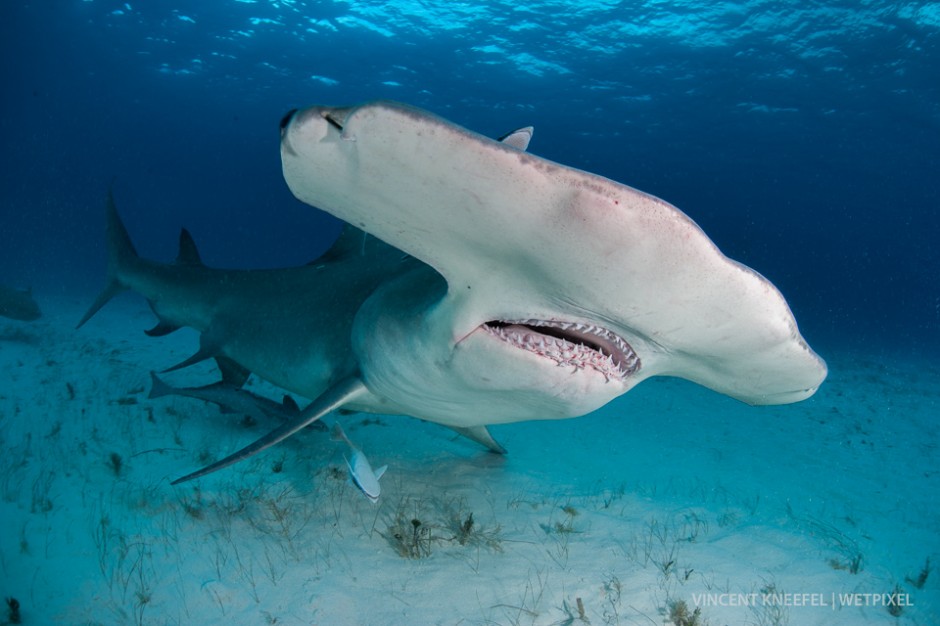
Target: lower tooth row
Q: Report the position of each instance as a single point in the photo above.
(564, 352)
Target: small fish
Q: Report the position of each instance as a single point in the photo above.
(359, 469)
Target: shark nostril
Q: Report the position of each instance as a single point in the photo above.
(287, 118)
(330, 117)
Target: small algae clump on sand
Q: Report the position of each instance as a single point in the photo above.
(414, 536)
(896, 601)
(13, 611)
(115, 463)
(680, 615)
(921, 579)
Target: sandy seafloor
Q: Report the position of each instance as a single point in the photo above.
(672, 493)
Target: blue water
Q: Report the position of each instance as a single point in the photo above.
(803, 138)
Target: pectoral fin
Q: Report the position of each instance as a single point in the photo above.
(380, 472)
(482, 436)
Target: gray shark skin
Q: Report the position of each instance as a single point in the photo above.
(232, 399)
(18, 304)
(291, 326)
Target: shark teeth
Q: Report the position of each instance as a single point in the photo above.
(571, 344)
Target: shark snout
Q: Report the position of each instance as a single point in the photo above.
(307, 127)
(296, 121)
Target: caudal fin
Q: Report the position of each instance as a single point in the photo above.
(158, 388)
(121, 253)
(337, 434)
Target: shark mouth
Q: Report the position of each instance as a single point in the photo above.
(573, 344)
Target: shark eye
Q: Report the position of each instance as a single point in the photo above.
(287, 118)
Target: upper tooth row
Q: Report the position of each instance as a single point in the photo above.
(566, 353)
(588, 328)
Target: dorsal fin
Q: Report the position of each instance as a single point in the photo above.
(518, 139)
(188, 254)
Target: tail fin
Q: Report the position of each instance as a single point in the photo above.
(121, 252)
(337, 434)
(158, 388)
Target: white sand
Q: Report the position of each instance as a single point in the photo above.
(672, 493)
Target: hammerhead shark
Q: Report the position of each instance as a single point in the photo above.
(474, 284)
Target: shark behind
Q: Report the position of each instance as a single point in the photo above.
(231, 398)
(18, 304)
(291, 326)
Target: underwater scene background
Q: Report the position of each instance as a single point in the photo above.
(803, 137)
